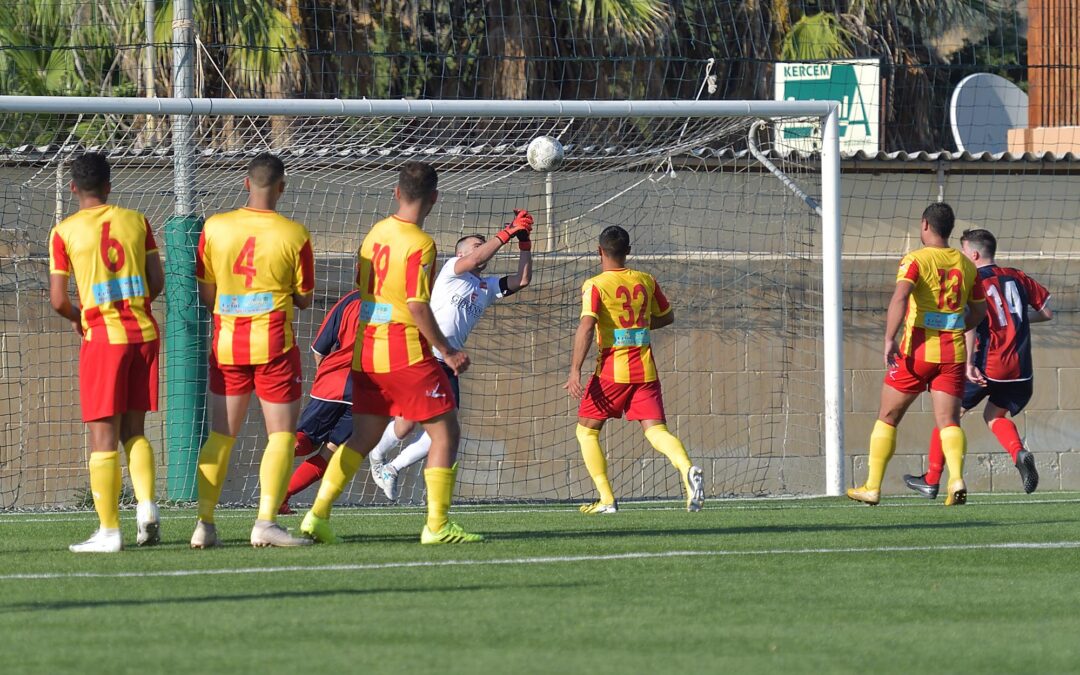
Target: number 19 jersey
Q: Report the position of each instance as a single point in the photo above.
(257, 259)
(944, 285)
(396, 266)
(105, 248)
(623, 302)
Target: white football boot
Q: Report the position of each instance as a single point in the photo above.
(149, 524)
(695, 489)
(204, 536)
(268, 533)
(102, 541)
(387, 480)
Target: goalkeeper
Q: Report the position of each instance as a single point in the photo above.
(458, 300)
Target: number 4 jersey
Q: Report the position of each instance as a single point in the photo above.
(105, 248)
(1003, 348)
(944, 284)
(623, 302)
(257, 259)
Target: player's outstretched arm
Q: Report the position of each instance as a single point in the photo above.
(582, 339)
(61, 302)
(155, 275)
(524, 274)
(893, 318)
(522, 223)
(429, 328)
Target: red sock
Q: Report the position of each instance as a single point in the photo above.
(306, 474)
(1006, 433)
(303, 445)
(936, 459)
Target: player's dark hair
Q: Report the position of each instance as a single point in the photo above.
(417, 181)
(615, 241)
(91, 173)
(467, 238)
(941, 218)
(266, 170)
(982, 241)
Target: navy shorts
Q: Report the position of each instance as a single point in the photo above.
(1011, 396)
(323, 421)
(454, 386)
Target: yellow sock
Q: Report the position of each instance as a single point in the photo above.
(213, 464)
(440, 490)
(140, 461)
(954, 447)
(274, 470)
(105, 486)
(339, 471)
(882, 447)
(589, 440)
(670, 446)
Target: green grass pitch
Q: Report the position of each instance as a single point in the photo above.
(814, 586)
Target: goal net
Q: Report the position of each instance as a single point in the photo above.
(736, 250)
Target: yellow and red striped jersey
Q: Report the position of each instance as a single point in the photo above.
(105, 248)
(623, 302)
(944, 284)
(396, 266)
(257, 259)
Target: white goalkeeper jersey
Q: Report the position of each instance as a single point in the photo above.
(459, 300)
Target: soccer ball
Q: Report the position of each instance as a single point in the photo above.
(545, 154)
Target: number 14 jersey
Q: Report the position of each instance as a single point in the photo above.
(1003, 346)
(257, 259)
(944, 285)
(623, 302)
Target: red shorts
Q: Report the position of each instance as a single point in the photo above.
(419, 392)
(605, 400)
(279, 381)
(114, 379)
(914, 377)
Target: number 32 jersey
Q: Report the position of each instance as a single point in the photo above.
(105, 248)
(944, 285)
(257, 259)
(623, 302)
(1003, 346)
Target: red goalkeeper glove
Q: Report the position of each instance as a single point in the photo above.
(522, 222)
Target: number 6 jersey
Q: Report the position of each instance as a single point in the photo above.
(257, 259)
(105, 247)
(623, 302)
(944, 285)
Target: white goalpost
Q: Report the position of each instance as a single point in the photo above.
(742, 231)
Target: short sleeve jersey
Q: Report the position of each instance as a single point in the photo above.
(459, 300)
(334, 342)
(623, 302)
(105, 247)
(1003, 345)
(944, 284)
(257, 259)
(396, 266)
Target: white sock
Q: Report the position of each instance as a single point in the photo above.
(413, 453)
(388, 441)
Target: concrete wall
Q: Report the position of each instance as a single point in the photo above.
(741, 370)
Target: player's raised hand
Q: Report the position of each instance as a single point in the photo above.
(974, 375)
(573, 385)
(458, 361)
(523, 222)
(892, 353)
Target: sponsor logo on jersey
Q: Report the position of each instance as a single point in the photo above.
(114, 290)
(249, 303)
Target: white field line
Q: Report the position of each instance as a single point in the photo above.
(739, 504)
(550, 560)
